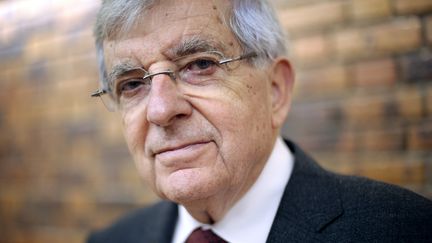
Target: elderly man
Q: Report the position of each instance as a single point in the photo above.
(203, 87)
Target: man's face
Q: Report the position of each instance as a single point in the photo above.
(193, 142)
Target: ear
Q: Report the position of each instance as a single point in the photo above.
(282, 82)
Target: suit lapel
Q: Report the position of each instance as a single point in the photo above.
(310, 202)
(163, 225)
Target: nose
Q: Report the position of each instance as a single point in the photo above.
(165, 102)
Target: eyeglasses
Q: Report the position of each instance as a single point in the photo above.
(194, 70)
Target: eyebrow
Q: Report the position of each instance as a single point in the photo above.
(189, 46)
(193, 45)
(120, 70)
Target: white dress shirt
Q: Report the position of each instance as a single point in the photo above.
(251, 218)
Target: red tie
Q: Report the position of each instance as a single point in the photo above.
(204, 236)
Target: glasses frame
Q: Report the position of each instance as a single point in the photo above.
(172, 74)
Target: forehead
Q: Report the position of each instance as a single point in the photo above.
(160, 30)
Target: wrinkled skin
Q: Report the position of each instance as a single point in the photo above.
(204, 146)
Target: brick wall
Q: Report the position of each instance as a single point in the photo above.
(64, 168)
(363, 105)
(362, 100)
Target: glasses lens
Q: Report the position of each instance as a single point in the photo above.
(109, 103)
(231, 65)
(106, 99)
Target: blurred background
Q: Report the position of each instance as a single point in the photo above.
(363, 105)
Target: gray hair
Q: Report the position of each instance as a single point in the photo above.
(253, 22)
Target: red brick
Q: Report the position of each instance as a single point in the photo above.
(67, 18)
(318, 142)
(308, 120)
(379, 39)
(398, 36)
(33, 52)
(366, 111)
(412, 6)
(374, 73)
(429, 101)
(322, 81)
(384, 139)
(311, 49)
(417, 66)
(348, 141)
(40, 234)
(351, 43)
(420, 136)
(428, 26)
(369, 9)
(338, 162)
(312, 16)
(392, 169)
(385, 108)
(409, 104)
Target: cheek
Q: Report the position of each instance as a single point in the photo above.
(240, 120)
(135, 132)
(251, 107)
(248, 115)
(135, 129)
(241, 106)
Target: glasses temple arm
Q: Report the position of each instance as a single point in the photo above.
(247, 55)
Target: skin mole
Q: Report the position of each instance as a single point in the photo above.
(219, 20)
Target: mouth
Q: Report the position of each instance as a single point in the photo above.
(183, 155)
(179, 147)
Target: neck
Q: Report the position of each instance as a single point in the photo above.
(213, 209)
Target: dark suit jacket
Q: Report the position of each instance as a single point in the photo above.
(317, 206)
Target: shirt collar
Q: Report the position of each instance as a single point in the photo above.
(261, 202)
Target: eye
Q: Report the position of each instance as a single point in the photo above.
(202, 66)
(131, 87)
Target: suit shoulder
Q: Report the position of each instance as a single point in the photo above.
(384, 208)
(136, 224)
(357, 191)
(340, 208)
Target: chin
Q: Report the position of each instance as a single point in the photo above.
(190, 185)
(186, 196)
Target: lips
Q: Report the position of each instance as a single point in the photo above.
(182, 154)
(178, 147)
